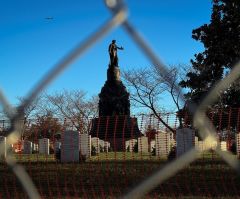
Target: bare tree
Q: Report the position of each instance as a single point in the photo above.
(146, 87)
(177, 74)
(30, 115)
(74, 107)
(33, 109)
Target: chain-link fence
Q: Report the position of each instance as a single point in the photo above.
(161, 175)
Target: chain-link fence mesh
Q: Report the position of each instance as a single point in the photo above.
(119, 176)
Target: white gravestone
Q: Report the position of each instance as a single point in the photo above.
(57, 146)
(143, 144)
(85, 145)
(152, 145)
(163, 144)
(44, 146)
(238, 144)
(172, 139)
(27, 147)
(3, 146)
(196, 140)
(106, 146)
(129, 145)
(223, 145)
(200, 145)
(70, 142)
(96, 144)
(35, 147)
(185, 140)
(102, 145)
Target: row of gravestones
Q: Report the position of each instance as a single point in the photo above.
(161, 144)
(27, 147)
(202, 145)
(72, 147)
(99, 145)
(73, 144)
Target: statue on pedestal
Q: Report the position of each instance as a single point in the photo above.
(114, 123)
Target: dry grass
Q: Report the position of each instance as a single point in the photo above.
(107, 177)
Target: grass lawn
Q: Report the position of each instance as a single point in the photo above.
(110, 175)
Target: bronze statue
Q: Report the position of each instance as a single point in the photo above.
(112, 49)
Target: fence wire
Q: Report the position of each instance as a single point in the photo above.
(201, 122)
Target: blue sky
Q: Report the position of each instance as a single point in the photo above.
(31, 45)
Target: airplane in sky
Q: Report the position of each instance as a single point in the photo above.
(49, 18)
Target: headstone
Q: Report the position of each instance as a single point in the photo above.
(223, 145)
(163, 144)
(101, 145)
(35, 147)
(143, 144)
(57, 146)
(238, 144)
(152, 145)
(129, 145)
(44, 146)
(27, 147)
(96, 144)
(196, 140)
(214, 144)
(185, 140)
(85, 145)
(3, 147)
(200, 145)
(172, 139)
(106, 146)
(70, 142)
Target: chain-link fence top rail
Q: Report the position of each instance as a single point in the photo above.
(202, 123)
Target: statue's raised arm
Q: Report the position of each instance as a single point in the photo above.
(112, 49)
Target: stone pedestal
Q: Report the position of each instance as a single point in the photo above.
(115, 130)
(114, 98)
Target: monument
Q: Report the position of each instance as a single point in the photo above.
(114, 123)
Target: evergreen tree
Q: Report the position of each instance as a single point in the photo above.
(221, 40)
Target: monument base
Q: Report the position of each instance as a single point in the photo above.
(116, 130)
